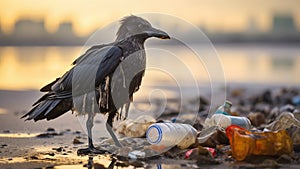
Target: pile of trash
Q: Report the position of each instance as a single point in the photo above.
(262, 126)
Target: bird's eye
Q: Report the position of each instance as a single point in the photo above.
(141, 26)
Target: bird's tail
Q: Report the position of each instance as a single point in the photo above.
(49, 107)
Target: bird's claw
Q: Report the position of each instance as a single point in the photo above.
(90, 151)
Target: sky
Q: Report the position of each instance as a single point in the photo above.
(86, 16)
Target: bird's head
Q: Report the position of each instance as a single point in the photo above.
(139, 27)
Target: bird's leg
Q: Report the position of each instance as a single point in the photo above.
(90, 164)
(127, 109)
(91, 149)
(109, 124)
(89, 126)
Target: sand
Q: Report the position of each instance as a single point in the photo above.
(21, 148)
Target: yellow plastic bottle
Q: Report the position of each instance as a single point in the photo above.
(245, 143)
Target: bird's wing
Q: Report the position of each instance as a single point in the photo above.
(87, 74)
(91, 67)
(57, 83)
(76, 88)
(90, 50)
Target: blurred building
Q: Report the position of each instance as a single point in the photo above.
(252, 27)
(65, 29)
(33, 32)
(27, 28)
(283, 24)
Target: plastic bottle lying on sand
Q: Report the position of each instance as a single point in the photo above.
(244, 143)
(223, 118)
(226, 120)
(171, 134)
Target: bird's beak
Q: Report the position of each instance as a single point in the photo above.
(153, 32)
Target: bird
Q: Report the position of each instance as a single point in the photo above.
(102, 80)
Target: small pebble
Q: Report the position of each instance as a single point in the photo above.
(50, 129)
(77, 132)
(256, 118)
(51, 154)
(285, 159)
(48, 135)
(60, 149)
(77, 141)
(34, 157)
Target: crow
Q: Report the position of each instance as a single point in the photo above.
(102, 80)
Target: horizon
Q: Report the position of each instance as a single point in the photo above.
(31, 32)
(251, 24)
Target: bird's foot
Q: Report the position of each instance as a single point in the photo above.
(90, 151)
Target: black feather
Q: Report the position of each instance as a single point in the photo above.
(40, 110)
(47, 88)
(54, 103)
(44, 97)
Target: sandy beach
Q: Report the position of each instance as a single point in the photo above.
(51, 144)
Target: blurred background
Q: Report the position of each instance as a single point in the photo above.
(257, 41)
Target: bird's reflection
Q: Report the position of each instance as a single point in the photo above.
(114, 162)
(91, 165)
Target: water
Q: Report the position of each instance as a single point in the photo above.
(33, 67)
(172, 71)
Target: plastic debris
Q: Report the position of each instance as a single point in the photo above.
(135, 128)
(171, 134)
(226, 120)
(212, 151)
(225, 108)
(287, 108)
(223, 119)
(294, 132)
(136, 154)
(245, 143)
(211, 137)
(193, 154)
(256, 118)
(296, 100)
(284, 121)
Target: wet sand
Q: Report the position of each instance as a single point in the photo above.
(21, 148)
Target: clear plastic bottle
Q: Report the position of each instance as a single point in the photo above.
(171, 134)
(223, 119)
(245, 143)
(225, 108)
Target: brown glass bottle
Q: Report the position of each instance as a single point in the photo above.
(245, 143)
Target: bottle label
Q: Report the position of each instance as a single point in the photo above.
(221, 112)
(239, 121)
